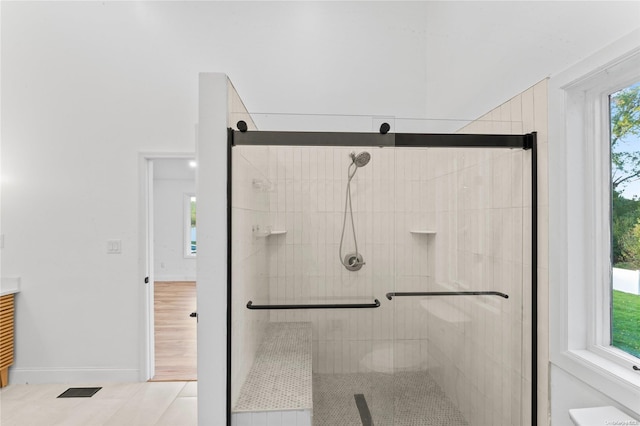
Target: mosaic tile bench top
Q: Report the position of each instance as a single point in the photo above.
(281, 375)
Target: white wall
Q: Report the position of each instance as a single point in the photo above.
(87, 85)
(569, 392)
(212, 269)
(79, 103)
(170, 263)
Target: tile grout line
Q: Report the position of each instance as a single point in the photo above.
(166, 408)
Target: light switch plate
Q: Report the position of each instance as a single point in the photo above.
(114, 246)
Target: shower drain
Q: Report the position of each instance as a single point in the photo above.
(363, 409)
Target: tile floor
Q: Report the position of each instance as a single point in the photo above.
(119, 404)
(400, 399)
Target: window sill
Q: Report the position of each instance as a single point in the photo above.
(612, 379)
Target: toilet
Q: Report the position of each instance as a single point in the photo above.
(601, 416)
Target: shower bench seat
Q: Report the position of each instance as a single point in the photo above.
(278, 388)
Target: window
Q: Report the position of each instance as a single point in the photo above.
(624, 119)
(190, 244)
(585, 210)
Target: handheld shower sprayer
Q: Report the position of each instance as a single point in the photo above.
(361, 159)
(352, 261)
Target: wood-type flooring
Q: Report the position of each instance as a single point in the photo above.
(175, 331)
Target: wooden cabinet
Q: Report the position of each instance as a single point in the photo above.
(6, 337)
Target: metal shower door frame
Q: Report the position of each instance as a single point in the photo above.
(526, 142)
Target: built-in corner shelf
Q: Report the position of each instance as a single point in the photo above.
(259, 233)
(264, 185)
(422, 232)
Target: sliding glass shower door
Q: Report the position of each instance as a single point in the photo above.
(463, 267)
(384, 282)
(309, 271)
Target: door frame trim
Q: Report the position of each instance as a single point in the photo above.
(145, 250)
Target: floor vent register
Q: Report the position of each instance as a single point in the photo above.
(79, 393)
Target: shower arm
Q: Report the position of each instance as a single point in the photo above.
(448, 293)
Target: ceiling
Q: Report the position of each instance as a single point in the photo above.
(434, 60)
(290, 61)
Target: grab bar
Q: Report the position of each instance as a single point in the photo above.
(449, 293)
(375, 304)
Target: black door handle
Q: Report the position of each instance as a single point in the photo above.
(193, 315)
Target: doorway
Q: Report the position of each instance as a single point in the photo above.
(171, 248)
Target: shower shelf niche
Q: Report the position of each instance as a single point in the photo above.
(264, 185)
(259, 233)
(422, 232)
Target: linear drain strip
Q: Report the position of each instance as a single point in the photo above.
(363, 408)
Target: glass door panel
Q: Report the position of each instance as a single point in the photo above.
(307, 318)
(460, 266)
(333, 250)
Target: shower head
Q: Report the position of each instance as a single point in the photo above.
(361, 159)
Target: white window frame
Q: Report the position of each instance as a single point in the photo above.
(579, 215)
(186, 241)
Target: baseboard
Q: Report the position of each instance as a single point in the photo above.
(173, 278)
(71, 375)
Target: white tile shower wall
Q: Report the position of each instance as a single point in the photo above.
(474, 343)
(478, 203)
(236, 109)
(481, 356)
(448, 191)
(304, 265)
(249, 269)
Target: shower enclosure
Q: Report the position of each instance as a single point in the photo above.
(381, 278)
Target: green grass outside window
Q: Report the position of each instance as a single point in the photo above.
(626, 322)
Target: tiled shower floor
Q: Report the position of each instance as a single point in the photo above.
(400, 399)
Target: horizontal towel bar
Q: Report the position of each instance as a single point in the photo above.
(449, 293)
(375, 304)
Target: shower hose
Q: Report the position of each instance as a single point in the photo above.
(347, 204)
